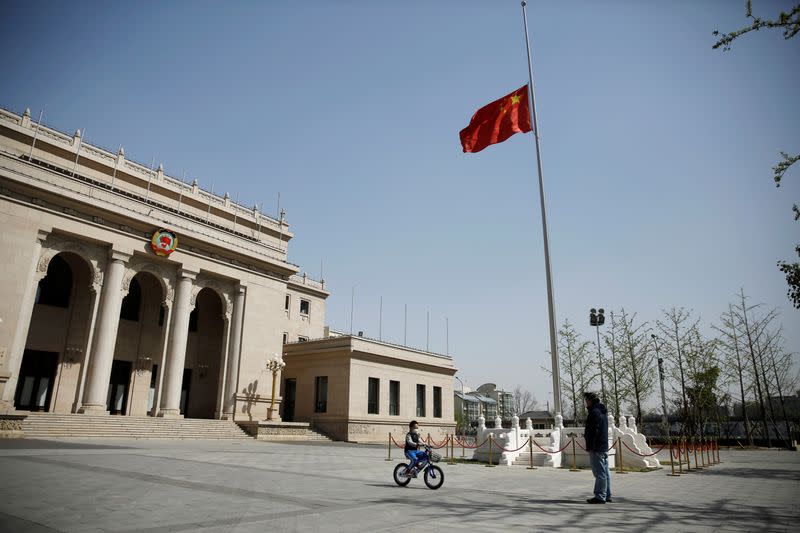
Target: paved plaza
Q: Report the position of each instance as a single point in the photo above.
(209, 486)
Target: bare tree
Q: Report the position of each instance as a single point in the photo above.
(577, 367)
(675, 327)
(748, 330)
(523, 400)
(733, 362)
(618, 390)
(637, 360)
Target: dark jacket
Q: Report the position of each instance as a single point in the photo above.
(596, 433)
(412, 441)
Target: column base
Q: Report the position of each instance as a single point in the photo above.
(6, 407)
(89, 409)
(170, 413)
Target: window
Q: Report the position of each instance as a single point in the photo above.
(420, 400)
(132, 302)
(321, 394)
(304, 306)
(286, 303)
(373, 391)
(302, 339)
(285, 337)
(394, 398)
(55, 288)
(437, 402)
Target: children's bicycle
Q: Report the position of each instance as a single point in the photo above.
(432, 474)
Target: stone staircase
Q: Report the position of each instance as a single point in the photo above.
(282, 431)
(54, 426)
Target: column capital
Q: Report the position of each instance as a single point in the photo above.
(42, 234)
(187, 273)
(119, 255)
(239, 288)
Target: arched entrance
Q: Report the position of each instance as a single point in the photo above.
(140, 337)
(202, 375)
(52, 364)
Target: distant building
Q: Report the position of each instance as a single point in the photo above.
(467, 407)
(503, 399)
(539, 419)
(358, 389)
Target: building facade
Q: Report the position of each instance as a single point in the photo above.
(360, 390)
(126, 291)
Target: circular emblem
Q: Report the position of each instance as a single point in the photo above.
(164, 242)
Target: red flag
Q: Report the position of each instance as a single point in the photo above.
(496, 122)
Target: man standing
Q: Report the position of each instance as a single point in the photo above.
(596, 435)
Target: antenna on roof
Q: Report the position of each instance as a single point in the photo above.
(210, 199)
(149, 179)
(35, 134)
(380, 320)
(78, 152)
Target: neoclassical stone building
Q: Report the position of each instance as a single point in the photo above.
(99, 317)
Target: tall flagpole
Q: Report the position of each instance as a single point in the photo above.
(550, 303)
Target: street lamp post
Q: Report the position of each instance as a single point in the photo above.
(463, 407)
(664, 419)
(597, 319)
(274, 365)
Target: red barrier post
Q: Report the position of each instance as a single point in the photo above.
(672, 458)
(530, 447)
(574, 465)
(620, 467)
(686, 452)
(490, 450)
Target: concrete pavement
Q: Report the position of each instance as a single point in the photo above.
(211, 486)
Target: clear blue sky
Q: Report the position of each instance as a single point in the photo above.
(657, 150)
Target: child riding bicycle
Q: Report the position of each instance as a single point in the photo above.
(413, 444)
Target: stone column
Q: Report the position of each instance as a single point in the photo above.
(9, 373)
(221, 394)
(176, 353)
(234, 348)
(162, 363)
(105, 335)
(96, 289)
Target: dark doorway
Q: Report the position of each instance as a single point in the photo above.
(36, 376)
(186, 384)
(288, 400)
(118, 387)
(151, 396)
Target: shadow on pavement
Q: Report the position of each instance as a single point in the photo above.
(41, 444)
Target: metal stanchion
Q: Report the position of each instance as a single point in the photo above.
(452, 459)
(680, 458)
(672, 458)
(708, 452)
(462, 447)
(490, 450)
(716, 446)
(686, 451)
(694, 449)
(620, 467)
(530, 447)
(389, 458)
(701, 443)
(574, 466)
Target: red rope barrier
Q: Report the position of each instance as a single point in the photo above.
(555, 452)
(395, 442)
(437, 446)
(644, 455)
(581, 447)
(467, 446)
(676, 451)
(503, 449)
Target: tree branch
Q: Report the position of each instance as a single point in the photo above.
(790, 22)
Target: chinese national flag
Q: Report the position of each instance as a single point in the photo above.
(496, 122)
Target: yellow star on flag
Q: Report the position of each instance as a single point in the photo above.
(515, 99)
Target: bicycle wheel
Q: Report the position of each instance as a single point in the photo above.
(434, 477)
(400, 475)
